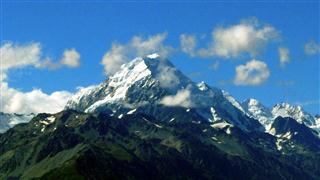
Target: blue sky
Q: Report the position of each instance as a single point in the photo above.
(91, 28)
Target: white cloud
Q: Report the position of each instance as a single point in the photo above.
(167, 76)
(312, 48)
(188, 44)
(71, 58)
(284, 55)
(35, 101)
(242, 38)
(182, 98)
(18, 56)
(253, 73)
(15, 56)
(230, 42)
(49, 64)
(137, 46)
(114, 58)
(153, 44)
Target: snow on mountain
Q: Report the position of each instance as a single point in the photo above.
(233, 101)
(202, 86)
(8, 120)
(316, 126)
(144, 82)
(258, 111)
(286, 129)
(139, 74)
(122, 81)
(266, 116)
(82, 98)
(295, 112)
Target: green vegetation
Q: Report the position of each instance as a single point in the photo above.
(99, 146)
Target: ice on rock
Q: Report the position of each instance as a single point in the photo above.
(295, 112)
(132, 111)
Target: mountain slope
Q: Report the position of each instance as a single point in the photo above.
(295, 112)
(74, 144)
(8, 120)
(258, 111)
(289, 130)
(267, 116)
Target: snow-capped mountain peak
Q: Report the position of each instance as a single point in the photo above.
(295, 112)
(258, 111)
(267, 116)
(144, 72)
(122, 80)
(146, 81)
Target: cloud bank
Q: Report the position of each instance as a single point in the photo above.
(35, 101)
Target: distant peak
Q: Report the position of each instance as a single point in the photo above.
(285, 109)
(288, 107)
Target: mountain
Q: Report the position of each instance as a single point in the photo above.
(295, 112)
(258, 111)
(149, 120)
(286, 128)
(266, 115)
(145, 82)
(78, 145)
(316, 126)
(8, 120)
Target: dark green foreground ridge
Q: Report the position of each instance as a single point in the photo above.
(76, 145)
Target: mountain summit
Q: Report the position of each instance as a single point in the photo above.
(140, 73)
(295, 112)
(152, 83)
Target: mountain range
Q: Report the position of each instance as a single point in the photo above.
(149, 120)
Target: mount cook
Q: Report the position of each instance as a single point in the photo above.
(149, 114)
